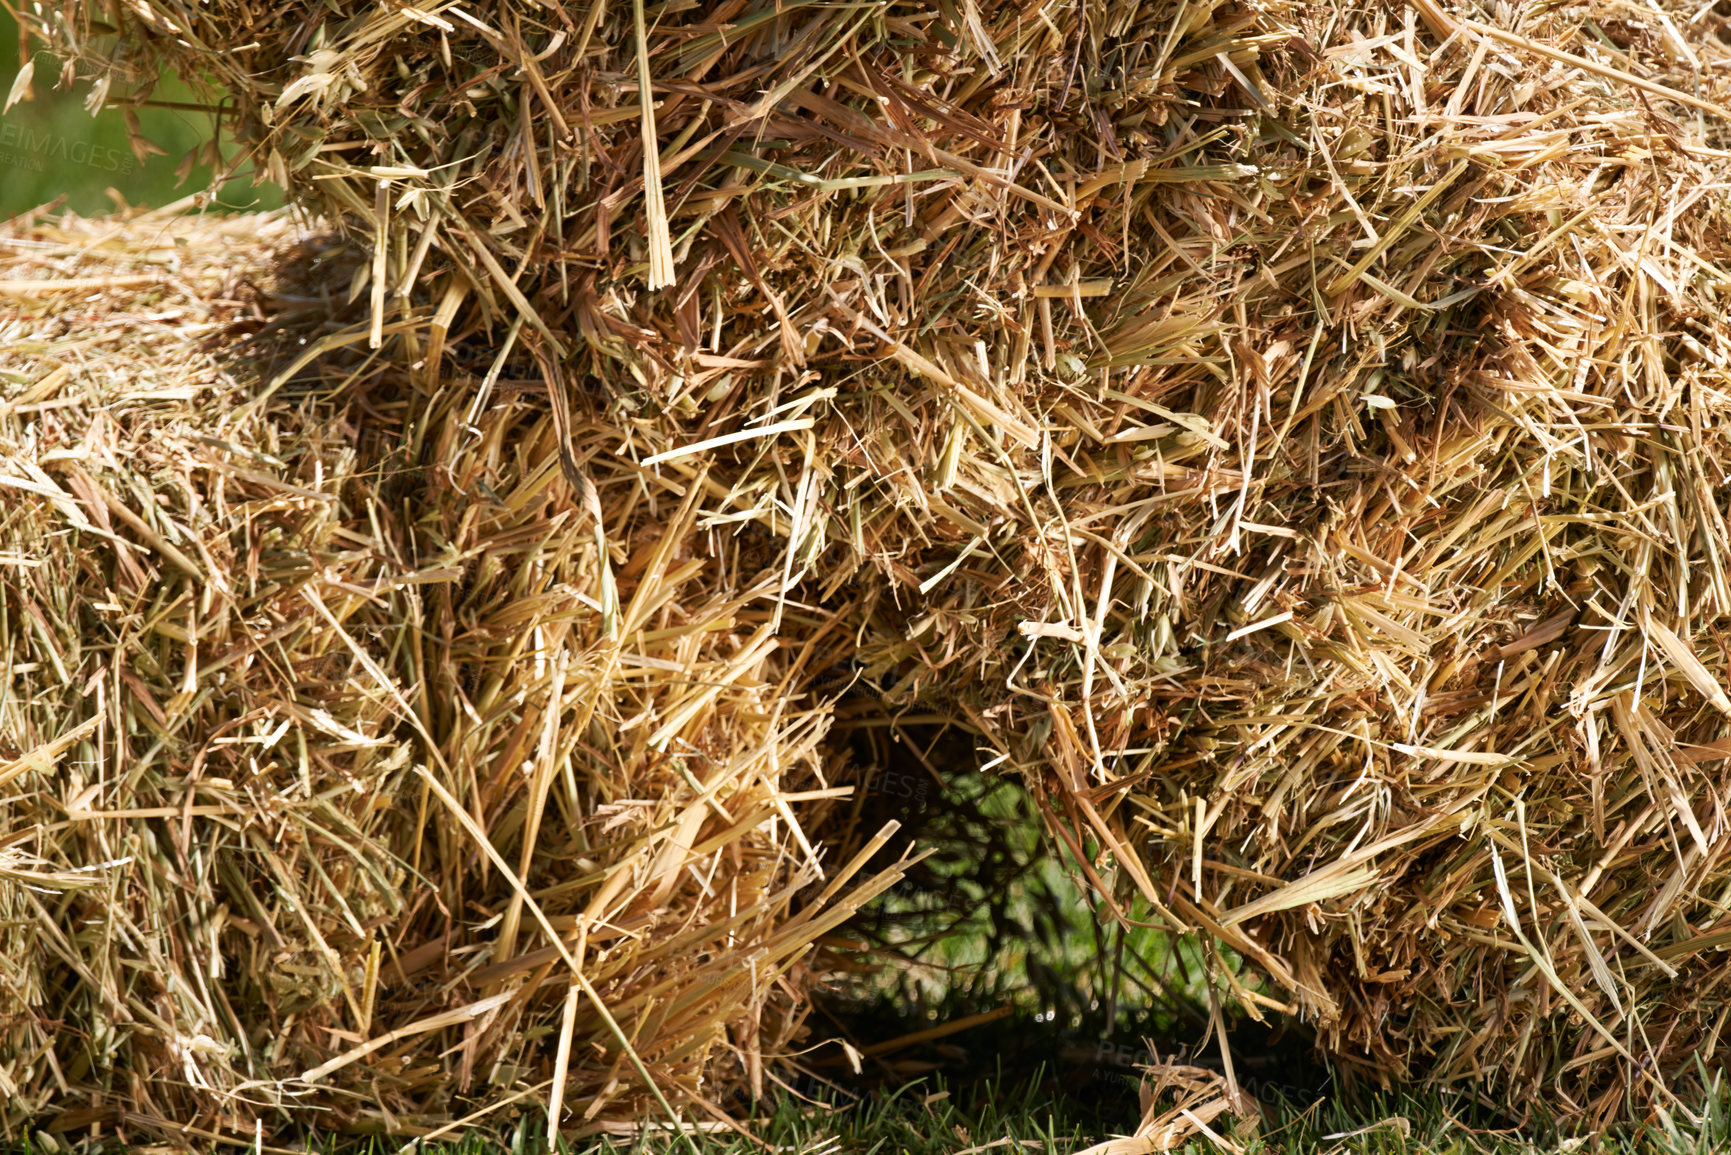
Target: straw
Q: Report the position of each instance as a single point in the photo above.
(1287, 438)
(317, 690)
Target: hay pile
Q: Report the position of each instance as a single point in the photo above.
(330, 728)
(1288, 435)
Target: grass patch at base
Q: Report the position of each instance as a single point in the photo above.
(929, 1120)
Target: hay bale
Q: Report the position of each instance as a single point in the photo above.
(331, 728)
(1289, 436)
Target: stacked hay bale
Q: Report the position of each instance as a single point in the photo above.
(1287, 435)
(323, 759)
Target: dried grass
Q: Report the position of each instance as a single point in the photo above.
(332, 796)
(1290, 436)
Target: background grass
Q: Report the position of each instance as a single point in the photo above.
(1020, 1120)
(920, 1120)
(53, 151)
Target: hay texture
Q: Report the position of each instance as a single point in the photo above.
(1288, 435)
(332, 797)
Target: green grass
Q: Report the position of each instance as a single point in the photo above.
(933, 1120)
(997, 918)
(53, 150)
(1000, 915)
